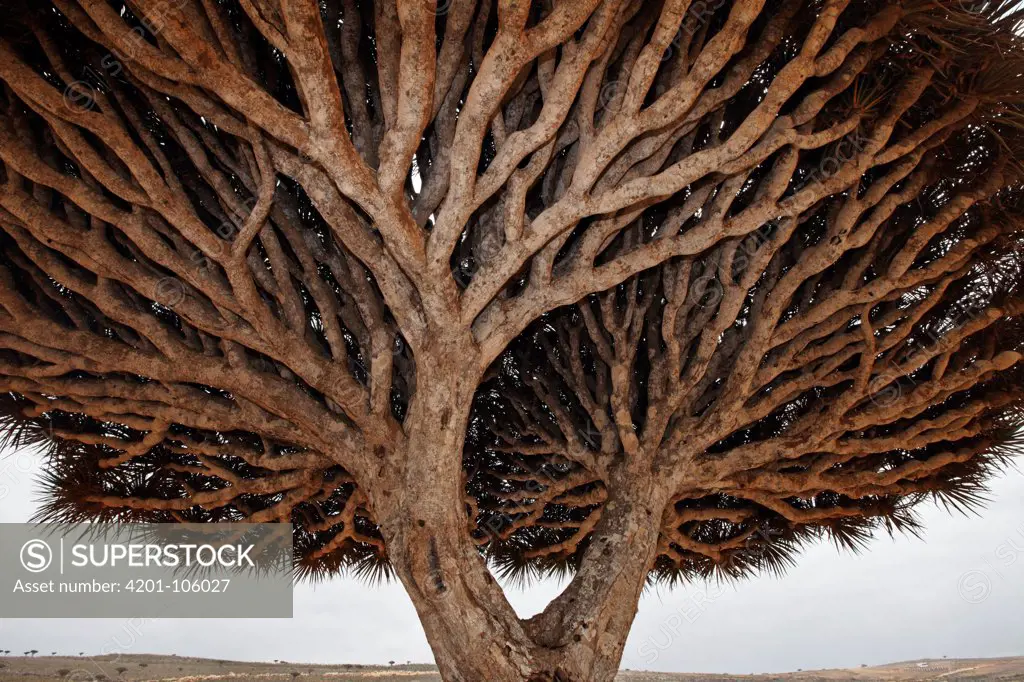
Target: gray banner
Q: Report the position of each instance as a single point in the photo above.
(223, 570)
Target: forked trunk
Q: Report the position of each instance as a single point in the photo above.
(476, 635)
(473, 631)
(586, 626)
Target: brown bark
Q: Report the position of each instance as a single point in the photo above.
(586, 626)
(473, 630)
(471, 627)
(476, 635)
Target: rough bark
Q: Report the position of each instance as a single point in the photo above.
(586, 626)
(474, 632)
(423, 518)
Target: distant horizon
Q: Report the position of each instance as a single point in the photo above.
(410, 664)
(431, 663)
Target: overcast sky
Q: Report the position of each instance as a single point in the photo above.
(959, 592)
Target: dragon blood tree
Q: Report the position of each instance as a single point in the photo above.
(626, 289)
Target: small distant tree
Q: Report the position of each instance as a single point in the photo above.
(625, 291)
(121, 670)
(63, 672)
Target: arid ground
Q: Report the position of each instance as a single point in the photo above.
(154, 668)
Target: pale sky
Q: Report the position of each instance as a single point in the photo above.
(959, 592)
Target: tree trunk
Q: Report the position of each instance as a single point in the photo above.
(473, 631)
(589, 622)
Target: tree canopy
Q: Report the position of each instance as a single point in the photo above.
(697, 282)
